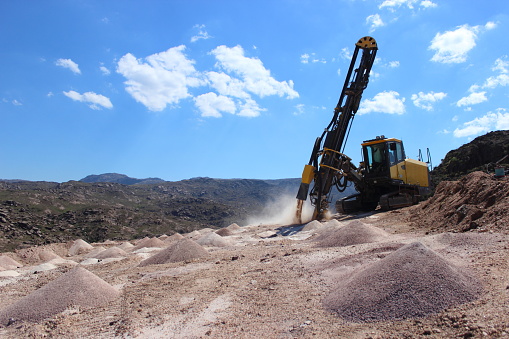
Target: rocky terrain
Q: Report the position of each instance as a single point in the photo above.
(169, 260)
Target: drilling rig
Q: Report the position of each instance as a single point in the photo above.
(384, 178)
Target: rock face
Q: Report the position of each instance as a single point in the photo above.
(78, 287)
(411, 282)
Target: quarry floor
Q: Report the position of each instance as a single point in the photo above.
(272, 287)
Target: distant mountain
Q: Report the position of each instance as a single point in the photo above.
(120, 179)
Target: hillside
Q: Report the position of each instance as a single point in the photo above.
(480, 154)
(34, 213)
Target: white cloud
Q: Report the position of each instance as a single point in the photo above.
(453, 46)
(384, 102)
(162, 79)
(50, 94)
(428, 4)
(69, 64)
(299, 109)
(250, 109)
(227, 85)
(256, 78)
(375, 21)
(16, 103)
(202, 33)
(426, 100)
(211, 105)
(304, 58)
(498, 120)
(490, 25)
(347, 54)
(393, 64)
(391, 4)
(94, 100)
(472, 99)
(104, 70)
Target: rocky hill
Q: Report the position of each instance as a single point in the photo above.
(481, 154)
(41, 212)
(119, 179)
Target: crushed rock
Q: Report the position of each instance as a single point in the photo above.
(413, 281)
(182, 250)
(8, 263)
(355, 232)
(80, 246)
(78, 287)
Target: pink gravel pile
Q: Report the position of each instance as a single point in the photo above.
(80, 246)
(224, 232)
(182, 250)
(173, 238)
(113, 252)
(8, 263)
(355, 232)
(413, 281)
(78, 287)
(149, 242)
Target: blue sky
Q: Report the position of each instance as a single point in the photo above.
(238, 89)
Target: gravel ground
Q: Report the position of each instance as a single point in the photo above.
(283, 287)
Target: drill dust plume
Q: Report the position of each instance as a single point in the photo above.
(281, 211)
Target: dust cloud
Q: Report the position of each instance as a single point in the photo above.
(281, 211)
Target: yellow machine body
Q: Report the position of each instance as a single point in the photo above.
(411, 172)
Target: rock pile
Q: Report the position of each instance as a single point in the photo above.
(478, 200)
(355, 232)
(413, 281)
(182, 250)
(78, 287)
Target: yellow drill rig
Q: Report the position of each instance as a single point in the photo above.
(384, 178)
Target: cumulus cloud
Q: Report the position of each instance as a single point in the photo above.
(453, 46)
(502, 66)
(16, 103)
(491, 121)
(161, 79)
(384, 102)
(304, 58)
(211, 105)
(202, 33)
(472, 99)
(95, 101)
(374, 21)
(255, 77)
(392, 5)
(69, 64)
(426, 100)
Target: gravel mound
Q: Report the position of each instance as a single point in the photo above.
(411, 282)
(47, 255)
(184, 249)
(224, 232)
(233, 227)
(173, 237)
(78, 287)
(80, 246)
(213, 239)
(126, 246)
(95, 252)
(313, 225)
(355, 232)
(149, 242)
(113, 252)
(8, 263)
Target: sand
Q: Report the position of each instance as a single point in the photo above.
(78, 287)
(113, 252)
(149, 242)
(413, 281)
(213, 239)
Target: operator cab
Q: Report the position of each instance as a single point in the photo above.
(380, 155)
